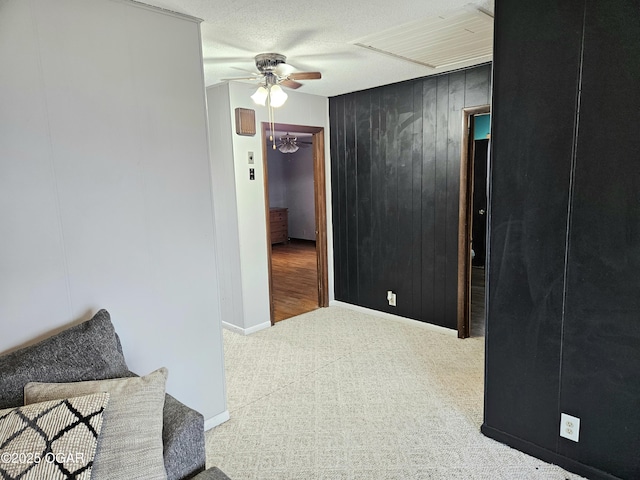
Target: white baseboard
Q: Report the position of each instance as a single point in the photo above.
(396, 318)
(246, 331)
(217, 420)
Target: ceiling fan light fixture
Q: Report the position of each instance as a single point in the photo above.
(260, 96)
(274, 71)
(288, 144)
(288, 148)
(277, 96)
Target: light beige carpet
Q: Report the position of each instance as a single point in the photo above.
(337, 394)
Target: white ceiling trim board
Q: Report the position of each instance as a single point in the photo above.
(439, 41)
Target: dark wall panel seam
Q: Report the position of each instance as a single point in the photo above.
(571, 192)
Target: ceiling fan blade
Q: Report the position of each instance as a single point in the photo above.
(239, 78)
(223, 60)
(304, 76)
(283, 69)
(290, 84)
(247, 71)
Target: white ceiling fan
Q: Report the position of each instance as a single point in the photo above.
(290, 144)
(273, 71)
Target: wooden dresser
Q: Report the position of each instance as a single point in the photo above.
(279, 225)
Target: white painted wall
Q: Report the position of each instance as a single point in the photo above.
(300, 109)
(224, 194)
(105, 186)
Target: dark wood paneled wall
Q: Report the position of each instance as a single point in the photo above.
(563, 313)
(395, 160)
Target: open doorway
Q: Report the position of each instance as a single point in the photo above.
(295, 196)
(472, 239)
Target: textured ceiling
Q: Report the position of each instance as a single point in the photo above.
(315, 36)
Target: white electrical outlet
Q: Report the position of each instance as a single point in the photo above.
(569, 427)
(391, 298)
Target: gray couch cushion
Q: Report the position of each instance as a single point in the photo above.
(183, 436)
(212, 473)
(87, 351)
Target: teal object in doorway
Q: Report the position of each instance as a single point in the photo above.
(482, 126)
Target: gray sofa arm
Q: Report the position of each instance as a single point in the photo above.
(183, 438)
(211, 474)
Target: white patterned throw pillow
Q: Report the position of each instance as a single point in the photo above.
(130, 445)
(54, 440)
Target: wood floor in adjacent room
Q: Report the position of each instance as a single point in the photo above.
(295, 278)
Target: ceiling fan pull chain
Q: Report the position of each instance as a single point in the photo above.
(271, 122)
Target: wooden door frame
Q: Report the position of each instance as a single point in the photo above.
(465, 219)
(320, 200)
